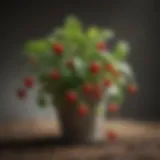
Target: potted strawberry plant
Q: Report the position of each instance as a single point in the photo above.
(83, 72)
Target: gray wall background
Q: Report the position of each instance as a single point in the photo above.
(135, 21)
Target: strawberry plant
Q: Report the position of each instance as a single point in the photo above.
(78, 65)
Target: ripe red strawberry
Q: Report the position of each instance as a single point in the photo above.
(87, 88)
(101, 46)
(95, 68)
(107, 82)
(21, 93)
(58, 48)
(113, 108)
(29, 82)
(111, 136)
(71, 96)
(83, 110)
(132, 89)
(55, 75)
(109, 68)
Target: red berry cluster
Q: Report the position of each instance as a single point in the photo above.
(29, 82)
(91, 89)
(72, 98)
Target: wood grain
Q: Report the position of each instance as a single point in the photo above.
(136, 141)
(42, 128)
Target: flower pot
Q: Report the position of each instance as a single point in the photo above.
(82, 130)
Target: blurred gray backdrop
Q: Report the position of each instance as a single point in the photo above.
(135, 21)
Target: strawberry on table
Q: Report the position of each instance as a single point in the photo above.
(111, 136)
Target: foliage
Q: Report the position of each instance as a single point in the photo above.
(72, 57)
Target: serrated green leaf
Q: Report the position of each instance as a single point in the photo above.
(108, 58)
(73, 31)
(37, 47)
(121, 50)
(93, 33)
(126, 71)
(72, 23)
(116, 94)
(107, 34)
(121, 81)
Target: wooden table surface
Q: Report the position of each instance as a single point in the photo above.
(136, 141)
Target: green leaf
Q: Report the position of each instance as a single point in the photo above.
(121, 50)
(70, 81)
(116, 94)
(72, 23)
(126, 71)
(73, 30)
(80, 67)
(108, 58)
(107, 34)
(122, 81)
(81, 46)
(96, 34)
(37, 47)
(93, 33)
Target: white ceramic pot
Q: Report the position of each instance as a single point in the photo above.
(88, 129)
